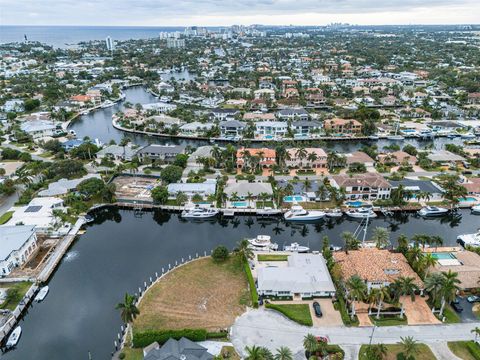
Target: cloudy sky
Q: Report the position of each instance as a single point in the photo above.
(228, 12)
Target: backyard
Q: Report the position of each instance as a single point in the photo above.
(17, 292)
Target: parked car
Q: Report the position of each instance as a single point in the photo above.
(473, 298)
(456, 306)
(322, 339)
(317, 309)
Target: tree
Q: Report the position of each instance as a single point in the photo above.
(85, 151)
(310, 343)
(128, 309)
(160, 194)
(220, 253)
(449, 288)
(351, 242)
(404, 286)
(381, 294)
(258, 353)
(171, 174)
(243, 251)
(402, 244)
(356, 291)
(476, 331)
(283, 353)
(433, 285)
(181, 198)
(181, 160)
(376, 352)
(381, 237)
(409, 345)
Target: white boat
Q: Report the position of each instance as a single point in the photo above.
(468, 136)
(334, 213)
(199, 213)
(335, 248)
(426, 134)
(432, 211)
(107, 104)
(298, 213)
(262, 242)
(268, 211)
(395, 137)
(469, 239)
(374, 137)
(296, 247)
(14, 337)
(476, 209)
(42, 294)
(361, 213)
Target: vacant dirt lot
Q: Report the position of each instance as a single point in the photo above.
(134, 187)
(201, 294)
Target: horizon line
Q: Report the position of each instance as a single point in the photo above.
(237, 24)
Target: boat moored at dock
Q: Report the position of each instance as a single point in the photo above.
(298, 213)
(42, 294)
(296, 247)
(469, 239)
(262, 243)
(361, 213)
(199, 213)
(14, 337)
(428, 211)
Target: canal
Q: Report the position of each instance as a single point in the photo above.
(120, 251)
(98, 125)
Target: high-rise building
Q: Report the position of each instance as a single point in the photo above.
(175, 43)
(110, 43)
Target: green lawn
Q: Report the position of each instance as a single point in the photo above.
(466, 350)
(21, 289)
(261, 204)
(451, 317)
(5, 217)
(388, 321)
(272, 257)
(424, 352)
(133, 354)
(299, 313)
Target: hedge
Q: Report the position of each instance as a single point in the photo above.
(300, 313)
(474, 349)
(251, 283)
(145, 338)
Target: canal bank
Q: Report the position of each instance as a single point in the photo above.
(121, 250)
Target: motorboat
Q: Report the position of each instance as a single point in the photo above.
(42, 294)
(476, 209)
(426, 134)
(296, 247)
(266, 211)
(396, 137)
(469, 239)
(199, 213)
(107, 104)
(334, 213)
(14, 337)
(262, 242)
(88, 218)
(373, 137)
(432, 211)
(361, 213)
(468, 136)
(298, 213)
(335, 248)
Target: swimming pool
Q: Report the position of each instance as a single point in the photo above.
(443, 256)
(354, 203)
(296, 198)
(467, 199)
(239, 204)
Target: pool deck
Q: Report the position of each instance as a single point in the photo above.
(443, 249)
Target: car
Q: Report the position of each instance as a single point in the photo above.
(473, 298)
(322, 339)
(317, 309)
(457, 307)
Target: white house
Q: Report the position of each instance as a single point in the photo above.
(17, 244)
(38, 213)
(38, 128)
(273, 128)
(14, 105)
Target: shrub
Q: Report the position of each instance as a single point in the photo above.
(220, 253)
(145, 338)
(251, 284)
(121, 356)
(171, 174)
(474, 349)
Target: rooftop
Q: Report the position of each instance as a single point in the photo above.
(13, 237)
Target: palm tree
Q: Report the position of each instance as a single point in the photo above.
(310, 343)
(312, 157)
(351, 242)
(217, 154)
(449, 288)
(249, 198)
(381, 237)
(476, 331)
(410, 346)
(128, 309)
(301, 154)
(356, 291)
(253, 353)
(283, 353)
(428, 261)
(307, 184)
(404, 286)
(243, 251)
(378, 351)
(433, 285)
(381, 294)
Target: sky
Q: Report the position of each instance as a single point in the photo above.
(229, 12)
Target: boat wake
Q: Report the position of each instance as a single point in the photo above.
(71, 256)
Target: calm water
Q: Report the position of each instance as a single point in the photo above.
(98, 124)
(120, 251)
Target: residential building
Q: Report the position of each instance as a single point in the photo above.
(117, 152)
(293, 114)
(271, 128)
(420, 186)
(303, 128)
(109, 43)
(39, 213)
(444, 156)
(190, 189)
(369, 186)
(173, 43)
(17, 244)
(343, 126)
(377, 268)
(166, 153)
(38, 128)
(231, 128)
(224, 114)
(72, 144)
(183, 349)
(359, 157)
(243, 188)
(267, 157)
(63, 186)
(305, 276)
(465, 263)
(397, 158)
(316, 161)
(13, 105)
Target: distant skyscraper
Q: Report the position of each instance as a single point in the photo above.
(110, 43)
(175, 43)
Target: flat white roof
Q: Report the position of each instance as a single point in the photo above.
(13, 237)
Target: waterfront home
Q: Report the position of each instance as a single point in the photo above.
(63, 186)
(243, 188)
(472, 185)
(72, 144)
(416, 187)
(190, 189)
(369, 186)
(293, 114)
(194, 160)
(231, 128)
(315, 158)
(444, 156)
(13, 105)
(38, 128)
(305, 128)
(266, 157)
(343, 126)
(265, 129)
(377, 268)
(160, 106)
(39, 213)
(465, 263)
(183, 349)
(224, 114)
(311, 190)
(166, 121)
(258, 116)
(359, 157)
(305, 276)
(117, 152)
(195, 127)
(17, 244)
(397, 158)
(165, 153)
(264, 94)
(80, 100)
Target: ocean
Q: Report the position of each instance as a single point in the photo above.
(64, 36)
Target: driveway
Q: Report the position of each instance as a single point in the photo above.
(418, 311)
(467, 314)
(272, 330)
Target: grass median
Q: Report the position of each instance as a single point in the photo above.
(300, 313)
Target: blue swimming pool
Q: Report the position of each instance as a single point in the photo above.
(268, 137)
(239, 204)
(467, 199)
(443, 256)
(296, 198)
(354, 203)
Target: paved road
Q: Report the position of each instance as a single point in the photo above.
(6, 202)
(272, 330)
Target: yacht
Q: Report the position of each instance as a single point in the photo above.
(334, 213)
(476, 209)
(262, 242)
(298, 213)
(42, 294)
(107, 104)
(373, 137)
(199, 213)
(395, 137)
(296, 247)
(468, 136)
(426, 134)
(361, 213)
(469, 239)
(14, 337)
(432, 211)
(268, 211)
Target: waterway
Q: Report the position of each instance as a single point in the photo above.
(98, 125)
(120, 251)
